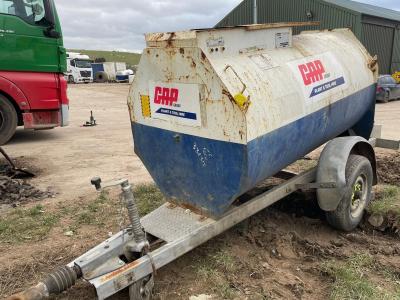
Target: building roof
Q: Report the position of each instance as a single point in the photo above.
(368, 9)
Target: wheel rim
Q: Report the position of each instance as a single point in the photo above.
(359, 196)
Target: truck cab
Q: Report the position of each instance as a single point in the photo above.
(79, 68)
(33, 91)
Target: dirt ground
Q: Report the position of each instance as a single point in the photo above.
(67, 158)
(285, 252)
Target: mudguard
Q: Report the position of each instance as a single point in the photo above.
(332, 167)
(14, 93)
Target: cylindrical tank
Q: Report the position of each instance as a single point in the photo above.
(214, 112)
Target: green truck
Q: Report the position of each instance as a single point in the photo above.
(33, 90)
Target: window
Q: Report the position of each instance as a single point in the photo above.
(387, 80)
(31, 11)
(83, 64)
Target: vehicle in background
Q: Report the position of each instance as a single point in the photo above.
(79, 68)
(388, 89)
(125, 76)
(107, 71)
(396, 76)
(33, 91)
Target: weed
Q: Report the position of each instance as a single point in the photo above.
(387, 200)
(351, 281)
(94, 212)
(148, 198)
(27, 224)
(214, 270)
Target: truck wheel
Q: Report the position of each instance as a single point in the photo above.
(71, 79)
(8, 120)
(350, 210)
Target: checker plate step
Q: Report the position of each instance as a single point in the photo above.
(170, 222)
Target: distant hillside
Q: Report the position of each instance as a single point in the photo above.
(129, 58)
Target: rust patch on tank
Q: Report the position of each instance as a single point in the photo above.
(190, 207)
(226, 93)
(203, 56)
(170, 39)
(373, 63)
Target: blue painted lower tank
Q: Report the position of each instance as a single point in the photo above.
(215, 112)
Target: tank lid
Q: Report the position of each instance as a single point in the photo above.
(192, 34)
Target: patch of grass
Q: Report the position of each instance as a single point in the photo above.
(213, 269)
(94, 212)
(148, 197)
(131, 59)
(351, 280)
(387, 200)
(27, 224)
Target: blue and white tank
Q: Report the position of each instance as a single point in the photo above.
(215, 112)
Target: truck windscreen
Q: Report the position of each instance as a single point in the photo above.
(83, 64)
(31, 11)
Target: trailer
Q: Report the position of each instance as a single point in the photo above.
(107, 71)
(214, 113)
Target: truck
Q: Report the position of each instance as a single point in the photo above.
(79, 68)
(33, 91)
(107, 71)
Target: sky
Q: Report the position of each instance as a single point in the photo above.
(121, 24)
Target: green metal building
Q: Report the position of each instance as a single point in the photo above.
(378, 28)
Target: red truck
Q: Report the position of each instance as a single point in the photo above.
(33, 91)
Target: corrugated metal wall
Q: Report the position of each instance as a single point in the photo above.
(241, 15)
(377, 34)
(379, 41)
(270, 11)
(329, 15)
(396, 52)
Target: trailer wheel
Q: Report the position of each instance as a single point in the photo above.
(8, 120)
(142, 289)
(359, 177)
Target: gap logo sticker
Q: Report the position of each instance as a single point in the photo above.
(166, 96)
(178, 103)
(320, 76)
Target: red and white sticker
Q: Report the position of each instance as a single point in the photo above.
(319, 76)
(176, 102)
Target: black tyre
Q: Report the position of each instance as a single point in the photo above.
(386, 98)
(8, 120)
(71, 79)
(143, 289)
(350, 211)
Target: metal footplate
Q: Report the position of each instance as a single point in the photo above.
(181, 229)
(171, 223)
